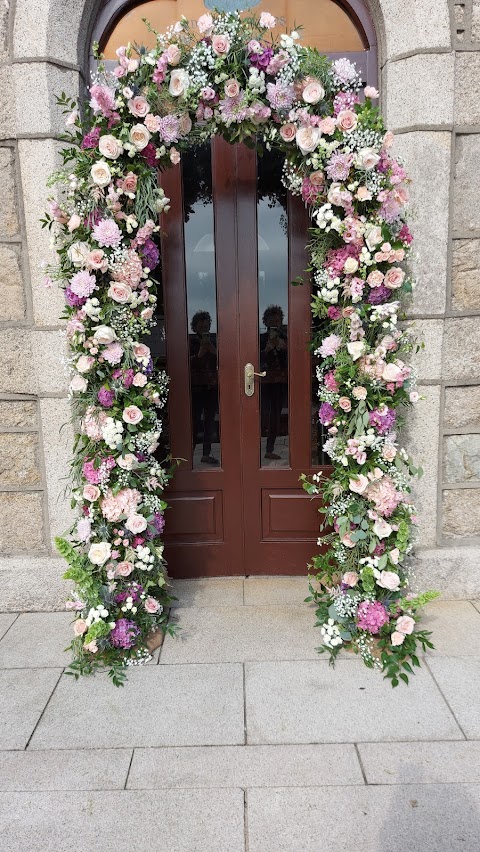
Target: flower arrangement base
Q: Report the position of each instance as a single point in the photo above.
(155, 640)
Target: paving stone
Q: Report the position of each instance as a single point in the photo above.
(158, 706)
(223, 591)
(23, 696)
(206, 821)
(235, 634)
(94, 769)
(280, 591)
(421, 763)
(308, 702)
(423, 818)
(455, 626)
(476, 605)
(459, 680)
(245, 766)
(37, 640)
(6, 621)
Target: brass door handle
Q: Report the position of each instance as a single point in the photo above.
(249, 372)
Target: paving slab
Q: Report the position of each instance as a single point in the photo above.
(282, 591)
(245, 766)
(417, 818)
(37, 640)
(6, 621)
(94, 769)
(455, 626)
(212, 591)
(459, 680)
(309, 702)
(158, 706)
(23, 696)
(476, 605)
(236, 634)
(421, 763)
(200, 821)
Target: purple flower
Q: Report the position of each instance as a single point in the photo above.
(124, 634)
(113, 353)
(150, 255)
(344, 100)
(169, 129)
(128, 378)
(102, 99)
(159, 522)
(379, 295)
(106, 397)
(72, 299)
(261, 60)
(326, 413)
(90, 140)
(149, 154)
(383, 419)
(371, 616)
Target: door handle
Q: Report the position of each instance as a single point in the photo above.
(249, 371)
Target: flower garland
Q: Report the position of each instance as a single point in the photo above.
(227, 75)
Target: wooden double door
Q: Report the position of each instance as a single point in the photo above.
(232, 242)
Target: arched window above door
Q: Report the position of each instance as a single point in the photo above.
(334, 27)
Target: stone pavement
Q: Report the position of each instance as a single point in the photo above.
(237, 737)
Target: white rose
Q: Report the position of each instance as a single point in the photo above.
(356, 349)
(104, 335)
(381, 528)
(99, 553)
(136, 523)
(127, 462)
(307, 139)
(388, 580)
(373, 236)
(100, 173)
(110, 147)
(78, 253)
(350, 266)
(78, 384)
(179, 82)
(85, 363)
(366, 159)
(313, 92)
(139, 136)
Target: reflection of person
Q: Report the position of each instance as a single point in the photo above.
(274, 360)
(204, 377)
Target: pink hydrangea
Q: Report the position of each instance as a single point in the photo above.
(330, 382)
(93, 474)
(384, 496)
(130, 270)
(371, 616)
(102, 100)
(124, 503)
(92, 423)
(107, 233)
(330, 345)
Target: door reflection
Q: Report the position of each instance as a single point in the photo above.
(274, 389)
(204, 379)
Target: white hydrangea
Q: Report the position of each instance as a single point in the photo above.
(112, 433)
(331, 634)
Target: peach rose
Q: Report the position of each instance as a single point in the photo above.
(100, 173)
(220, 45)
(345, 403)
(136, 523)
(363, 194)
(132, 414)
(96, 260)
(347, 541)
(317, 178)
(388, 580)
(139, 136)
(91, 493)
(405, 624)
(84, 363)
(120, 292)
(394, 556)
(141, 353)
(232, 88)
(307, 139)
(92, 647)
(359, 392)
(138, 106)
(394, 278)
(110, 147)
(350, 578)
(147, 313)
(287, 132)
(124, 569)
(153, 122)
(397, 638)
(74, 222)
(152, 605)
(359, 484)
(139, 380)
(78, 384)
(174, 54)
(389, 452)
(388, 140)
(313, 92)
(80, 627)
(347, 120)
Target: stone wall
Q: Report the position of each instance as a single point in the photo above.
(429, 70)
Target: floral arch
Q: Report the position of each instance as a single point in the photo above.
(226, 74)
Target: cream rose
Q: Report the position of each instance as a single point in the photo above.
(136, 523)
(313, 92)
(373, 236)
(99, 553)
(366, 159)
(110, 147)
(359, 392)
(80, 627)
(405, 624)
(388, 580)
(174, 54)
(100, 173)
(120, 292)
(350, 578)
(139, 136)
(359, 484)
(389, 452)
(78, 253)
(381, 528)
(347, 120)
(138, 106)
(132, 415)
(91, 493)
(394, 278)
(232, 88)
(307, 139)
(287, 132)
(350, 266)
(84, 363)
(139, 380)
(394, 556)
(179, 82)
(220, 45)
(356, 349)
(104, 335)
(127, 462)
(78, 384)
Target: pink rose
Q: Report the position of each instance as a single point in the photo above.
(313, 92)
(138, 106)
(371, 92)
(91, 493)
(174, 156)
(232, 88)
(205, 24)
(359, 484)
(139, 380)
(287, 132)
(363, 194)
(388, 580)
(397, 638)
(141, 353)
(347, 541)
(132, 415)
(345, 403)
(174, 54)
(110, 147)
(124, 569)
(185, 123)
(347, 120)
(394, 278)
(85, 363)
(359, 392)
(350, 578)
(317, 178)
(80, 627)
(136, 523)
(120, 292)
(74, 222)
(391, 373)
(220, 45)
(92, 647)
(96, 260)
(151, 605)
(405, 624)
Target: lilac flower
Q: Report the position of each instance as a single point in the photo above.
(83, 284)
(124, 634)
(106, 397)
(344, 70)
(383, 419)
(169, 129)
(150, 255)
(379, 295)
(339, 166)
(107, 233)
(326, 413)
(281, 95)
(234, 109)
(159, 522)
(113, 353)
(261, 60)
(90, 140)
(72, 300)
